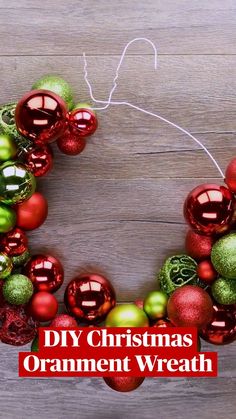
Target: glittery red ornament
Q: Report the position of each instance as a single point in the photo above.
(14, 243)
(163, 323)
(124, 384)
(45, 272)
(190, 306)
(41, 116)
(222, 329)
(39, 160)
(84, 121)
(64, 320)
(230, 175)
(43, 306)
(206, 271)
(209, 209)
(32, 213)
(89, 298)
(71, 143)
(198, 246)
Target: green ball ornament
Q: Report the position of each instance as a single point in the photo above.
(223, 256)
(8, 149)
(155, 305)
(8, 126)
(21, 260)
(18, 289)
(127, 315)
(224, 291)
(7, 218)
(6, 265)
(35, 345)
(17, 183)
(56, 85)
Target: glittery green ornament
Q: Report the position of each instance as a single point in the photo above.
(224, 291)
(17, 289)
(56, 85)
(35, 345)
(21, 260)
(223, 256)
(177, 271)
(8, 126)
(6, 265)
(17, 183)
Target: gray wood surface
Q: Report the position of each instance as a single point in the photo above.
(117, 208)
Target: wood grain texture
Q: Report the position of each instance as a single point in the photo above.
(117, 208)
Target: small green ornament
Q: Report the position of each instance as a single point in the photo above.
(35, 344)
(8, 126)
(177, 271)
(155, 305)
(6, 265)
(223, 256)
(56, 85)
(17, 183)
(127, 315)
(8, 147)
(17, 289)
(224, 291)
(7, 218)
(21, 260)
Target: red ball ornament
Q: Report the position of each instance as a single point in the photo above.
(139, 304)
(32, 213)
(45, 272)
(222, 329)
(14, 243)
(39, 160)
(41, 116)
(71, 143)
(124, 384)
(84, 121)
(89, 298)
(198, 246)
(209, 209)
(64, 320)
(230, 175)
(206, 271)
(190, 306)
(163, 323)
(43, 306)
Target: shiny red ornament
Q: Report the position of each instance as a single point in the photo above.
(84, 121)
(43, 306)
(209, 209)
(230, 175)
(14, 243)
(206, 271)
(198, 246)
(32, 213)
(163, 323)
(190, 306)
(45, 272)
(41, 116)
(139, 304)
(71, 143)
(89, 298)
(39, 160)
(123, 384)
(222, 329)
(64, 320)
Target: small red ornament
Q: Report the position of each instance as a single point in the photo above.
(43, 306)
(198, 246)
(41, 116)
(206, 271)
(209, 209)
(14, 243)
(84, 121)
(190, 306)
(222, 329)
(163, 323)
(230, 175)
(64, 320)
(32, 213)
(39, 160)
(124, 384)
(45, 272)
(139, 304)
(89, 298)
(71, 143)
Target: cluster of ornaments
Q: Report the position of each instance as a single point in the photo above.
(196, 288)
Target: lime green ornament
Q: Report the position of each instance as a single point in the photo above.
(223, 256)
(224, 291)
(127, 315)
(21, 260)
(155, 305)
(6, 265)
(8, 147)
(56, 85)
(35, 345)
(17, 289)
(17, 183)
(7, 218)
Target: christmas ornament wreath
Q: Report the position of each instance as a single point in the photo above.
(197, 288)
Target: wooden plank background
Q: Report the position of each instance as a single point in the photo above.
(117, 208)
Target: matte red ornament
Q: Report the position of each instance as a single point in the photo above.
(71, 143)
(32, 213)
(43, 306)
(41, 116)
(45, 272)
(198, 246)
(90, 297)
(222, 329)
(230, 175)
(124, 384)
(163, 323)
(190, 306)
(206, 271)
(64, 320)
(39, 160)
(84, 121)
(209, 209)
(14, 243)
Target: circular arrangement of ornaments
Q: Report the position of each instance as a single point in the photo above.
(196, 288)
